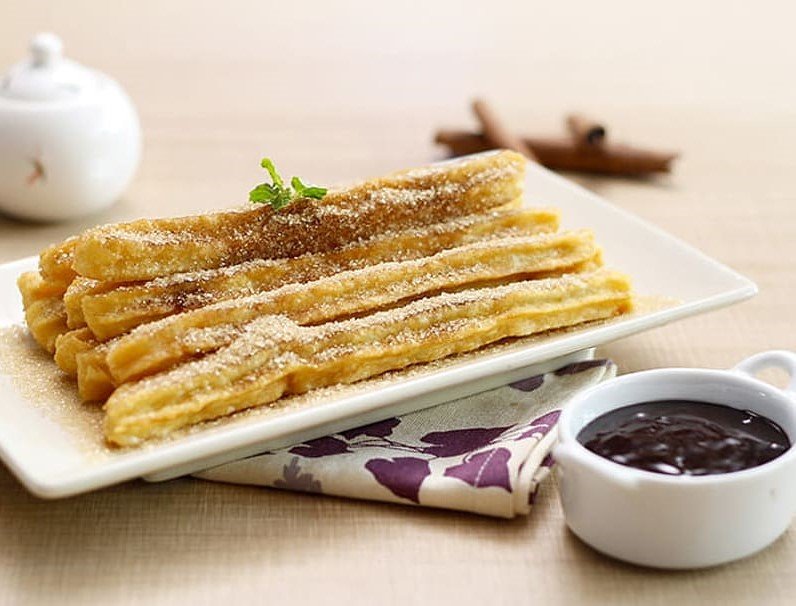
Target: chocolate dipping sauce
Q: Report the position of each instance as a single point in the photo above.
(681, 437)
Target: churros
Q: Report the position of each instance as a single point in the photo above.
(146, 249)
(172, 322)
(45, 313)
(79, 289)
(159, 345)
(55, 262)
(111, 310)
(94, 382)
(69, 345)
(274, 356)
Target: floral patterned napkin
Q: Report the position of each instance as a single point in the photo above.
(485, 453)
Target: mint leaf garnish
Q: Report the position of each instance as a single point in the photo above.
(279, 196)
(307, 191)
(268, 165)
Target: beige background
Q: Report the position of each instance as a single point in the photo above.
(341, 90)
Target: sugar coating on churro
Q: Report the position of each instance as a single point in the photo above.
(147, 249)
(45, 313)
(505, 223)
(270, 331)
(69, 345)
(55, 261)
(157, 345)
(112, 310)
(274, 356)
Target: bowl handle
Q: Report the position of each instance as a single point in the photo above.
(786, 360)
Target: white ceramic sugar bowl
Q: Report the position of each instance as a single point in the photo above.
(70, 138)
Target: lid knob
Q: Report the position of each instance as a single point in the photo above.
(46, 75)
(45, 49)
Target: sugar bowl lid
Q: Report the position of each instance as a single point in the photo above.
(46, 75)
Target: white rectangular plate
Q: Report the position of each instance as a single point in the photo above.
(49, 454)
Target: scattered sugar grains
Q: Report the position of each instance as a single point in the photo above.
(189, 290)
(428, 272)
(355, 212)
(43, 386)
(280, 334)
(325, 395)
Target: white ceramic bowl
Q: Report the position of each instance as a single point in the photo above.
(679, 521)
(70, 138)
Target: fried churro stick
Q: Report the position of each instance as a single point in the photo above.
(33, 287)
(154, 347)
(46, 320)
(119, 309)
(55, 262)
(42, 293)
(128, 305)
(94, 381)
(145, 249)
(69, 345)
(275, 357)
(45, 314)
(79, 289)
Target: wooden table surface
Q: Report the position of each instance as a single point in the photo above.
(341, 90)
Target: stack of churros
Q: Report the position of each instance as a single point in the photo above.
(172, 322)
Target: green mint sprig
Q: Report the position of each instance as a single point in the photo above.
(277, 194)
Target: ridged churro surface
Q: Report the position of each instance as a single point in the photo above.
(110, 311)
(159, 345)
(145, 249)
(69, 345)
(56, 262)
(275, 356)
(45, 314)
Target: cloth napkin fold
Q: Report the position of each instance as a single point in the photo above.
(485, 453)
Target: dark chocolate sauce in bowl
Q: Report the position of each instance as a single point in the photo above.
(681, 437)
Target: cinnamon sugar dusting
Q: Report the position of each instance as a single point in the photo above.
(140, 249)
(138, 303)
(482, 260)
(327, 395)
(420, 321)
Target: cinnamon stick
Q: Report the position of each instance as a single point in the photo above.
(584, 130)
(497, 135)
(565, 154)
